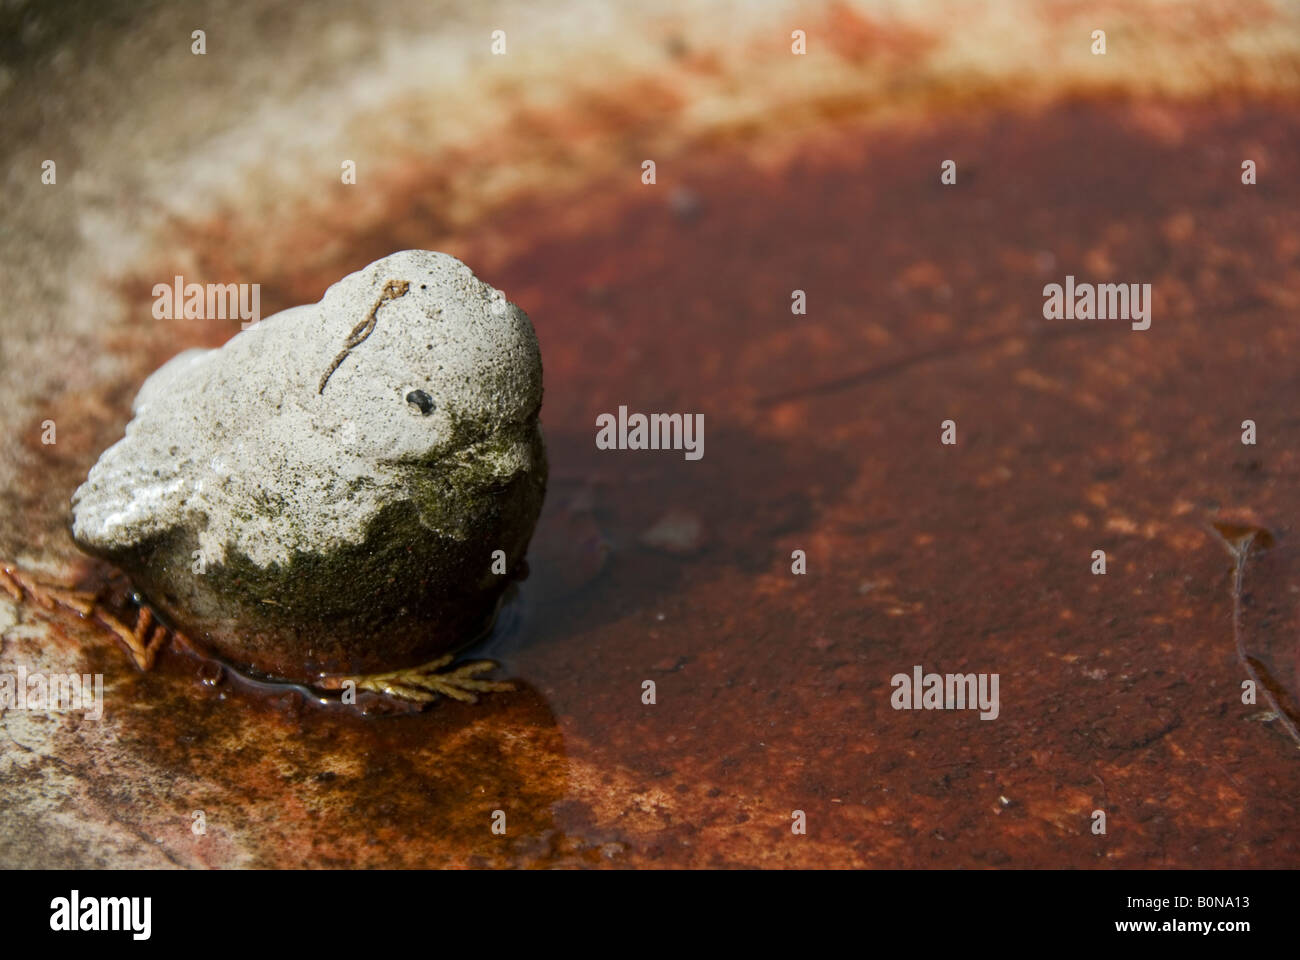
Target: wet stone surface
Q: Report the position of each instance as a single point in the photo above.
(298, 502)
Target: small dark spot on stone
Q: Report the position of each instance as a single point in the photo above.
(422, 400)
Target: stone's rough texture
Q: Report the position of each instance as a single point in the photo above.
(346, 470)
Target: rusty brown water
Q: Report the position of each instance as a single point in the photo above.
(1119, 692)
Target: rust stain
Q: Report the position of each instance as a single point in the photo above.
(857, 37)
(774, 689)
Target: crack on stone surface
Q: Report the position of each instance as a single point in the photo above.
(392, 290)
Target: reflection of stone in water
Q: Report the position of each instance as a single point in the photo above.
(569, 550)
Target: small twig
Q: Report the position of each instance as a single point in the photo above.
(1105, 798)
(147, 637)
(143, 641)
(16, 584)
(392, 290)
(424, 683)
(1239, 547)
(125, 634)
